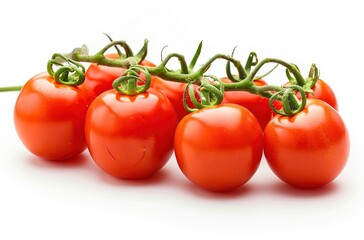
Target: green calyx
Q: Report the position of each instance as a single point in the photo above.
(71, 74)
(312, 78)
(133, 81)
(206, 95)
(291, 104)
(308, 83)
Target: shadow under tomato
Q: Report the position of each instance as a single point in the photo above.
(200, 192)
(78, 161)
(286, 189)
(157, 178)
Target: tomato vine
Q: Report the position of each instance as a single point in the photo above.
(187, 74)
(73, 74)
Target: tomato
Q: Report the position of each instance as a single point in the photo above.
(49, 118)
(321, 91)
(99, 78)
(219, 148)
(309, 149)
(130, 137)
(258, 105)
(174, 91)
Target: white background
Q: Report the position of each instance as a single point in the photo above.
(75, 200)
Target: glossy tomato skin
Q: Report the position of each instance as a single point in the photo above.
(174, 91)
(323, 91)
(49, 118)
(99, 78)
(219, 148)
(130, 137)
(258, 105)
(309, 149)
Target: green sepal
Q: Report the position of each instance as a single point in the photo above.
(72, 74)
(195, 57)
(128, 82)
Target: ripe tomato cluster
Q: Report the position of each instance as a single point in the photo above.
(218, 148)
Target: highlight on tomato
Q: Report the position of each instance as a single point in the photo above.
(219, 148)
(308, 149)
(49, 117)
(130, 136)
(321, 90)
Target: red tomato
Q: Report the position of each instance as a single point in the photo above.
(258, 105)
(130, 136)
(321, 91)
(174, 91)
(309, 149)
(49, 118)
(99, 78)
(219, 148)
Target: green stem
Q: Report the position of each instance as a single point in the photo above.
(102, 60)
(181, 59)
(123, 44)
(10, 88)
(246, 85)
(241, 71)
(266, 91)
(116, 47)
(184, 75)
(290, 67)
(160, 70)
